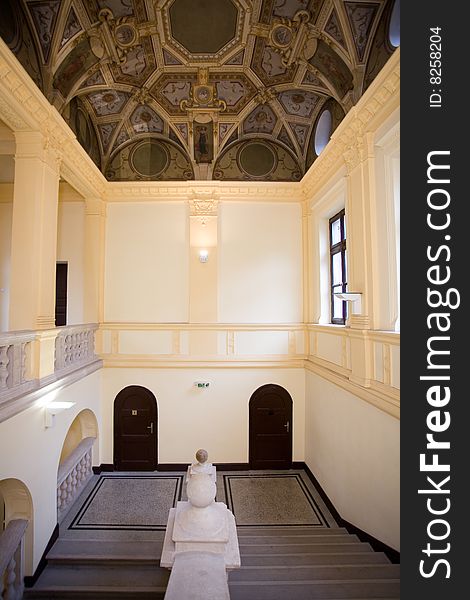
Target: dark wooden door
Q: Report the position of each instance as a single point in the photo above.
(270, 428)
(61, 272)
(135, 430)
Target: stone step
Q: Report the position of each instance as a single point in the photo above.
(260, 560)
(95, 593)
(308, 548)
(314, 572)
(244, 531)
(318, 590)
(77, 551)
(102, 576)
(298, 539)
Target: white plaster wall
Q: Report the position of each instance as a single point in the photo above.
(260, 263)
(70, 248)
(6, 210)
(147, 257)
(30, 452)
(215, 418)
(352, 448)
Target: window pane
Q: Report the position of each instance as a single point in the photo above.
(345, 267)
(337, 308)
(337, 269)
(336, 232)
(394, 27)
(323, 130)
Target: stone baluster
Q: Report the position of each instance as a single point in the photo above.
(73, 474)
(10, 578)
(23, 362)
(63, 494)
(75, 346)
(13, 579)
(4, 360)
(11, 560)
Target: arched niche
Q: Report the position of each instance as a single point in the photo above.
(83, 426)
(18, 504)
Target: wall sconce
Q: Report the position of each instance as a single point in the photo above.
(354, 297)
(203, 256)
(54, 408)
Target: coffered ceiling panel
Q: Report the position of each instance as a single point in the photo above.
(182, 89)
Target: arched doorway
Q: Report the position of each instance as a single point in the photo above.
(270, 430)
(135, 430)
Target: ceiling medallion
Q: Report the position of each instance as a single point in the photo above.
(294, 38)
(203, 95)
(118, 36)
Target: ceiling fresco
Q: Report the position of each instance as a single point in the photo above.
(197, 89)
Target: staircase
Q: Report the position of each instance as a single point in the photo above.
(98, 569)
(278, 563)
(308, 563)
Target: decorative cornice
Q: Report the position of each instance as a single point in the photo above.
(223, 190)
(23, 107)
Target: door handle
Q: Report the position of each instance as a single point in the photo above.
(286, 425)
(150, 427)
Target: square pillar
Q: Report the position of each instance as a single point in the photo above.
(34, 232)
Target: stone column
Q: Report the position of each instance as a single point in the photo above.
(34, 232)
(95, 224)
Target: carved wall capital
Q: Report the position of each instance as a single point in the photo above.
(203, 205)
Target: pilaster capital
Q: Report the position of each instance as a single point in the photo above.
(203, 204)
(36, 144)
(95, 207)
(306, 208)
(355, 152)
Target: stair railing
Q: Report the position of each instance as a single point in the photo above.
(11, 560)
(74, 472)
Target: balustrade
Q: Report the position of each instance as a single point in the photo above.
(14, 350)
(11, 560)
(74, 473)
(74, 346)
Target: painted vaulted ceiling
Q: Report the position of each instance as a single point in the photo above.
(201, 89)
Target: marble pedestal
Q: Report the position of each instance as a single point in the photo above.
(215, 532)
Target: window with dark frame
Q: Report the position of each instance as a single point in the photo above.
(338, 270)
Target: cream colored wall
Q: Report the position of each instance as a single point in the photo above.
(353, 449)
(70, 249)
(146, 262)
(6, 209)
(260, 262)
(203, 275)
(215, 418)
(30, 452)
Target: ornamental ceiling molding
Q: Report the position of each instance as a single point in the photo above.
(120, 46)
(380, 98)
(25, 108)
(218, 190)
